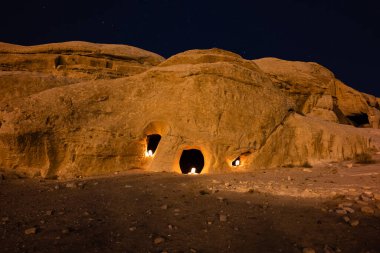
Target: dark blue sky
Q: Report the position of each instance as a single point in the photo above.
(344, 36)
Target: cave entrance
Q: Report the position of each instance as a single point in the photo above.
(191, 161)
(359, 120)
(152, 143)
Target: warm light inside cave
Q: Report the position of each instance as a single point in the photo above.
(152, 143)
(236, 162)
(193, 171)
(149, 153)
(191, 161)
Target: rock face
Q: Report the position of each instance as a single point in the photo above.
(28, 70)
(210, 110)
(319, 94)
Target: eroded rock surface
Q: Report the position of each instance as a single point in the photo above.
(214, 101)
(26, 70)
(319, 94)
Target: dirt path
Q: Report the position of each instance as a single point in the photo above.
(283, 210)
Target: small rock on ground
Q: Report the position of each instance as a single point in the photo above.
(223, 217)
(341, 211)
(30, 231)
(354, 223)
(367, 210)
(158, 240)
(346, 218)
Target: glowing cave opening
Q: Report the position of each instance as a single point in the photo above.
(236, 162)
(152, 143)
(191, 161)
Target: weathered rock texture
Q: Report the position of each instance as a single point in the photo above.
(211, 100)
(318, 93)
(28, 70)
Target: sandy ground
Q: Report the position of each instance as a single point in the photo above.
(330, 208)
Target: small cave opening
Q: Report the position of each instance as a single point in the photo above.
(152, 143)
(236, 162)
(359, 120)
(191, 161)
(59, 61)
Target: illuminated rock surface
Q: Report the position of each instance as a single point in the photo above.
(266, 113)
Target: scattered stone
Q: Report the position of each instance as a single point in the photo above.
(193, 251)
(307, 170)
(56, 187)
(222, 217)
(158, 240)
(354, 223)
(95, 183)
(308, 250)
(86, 213)
(49, 212)
(346, 218)
(71, 185)
(30, 231)
(368, 194)
(362, 203)
(365, 198)
(65, 231)
(341, 211)
(367, 210)
(376, 196)
(170, 227)
(128, 186)
(289, 178)
(345, 204)
(164, 207)
(349, 165)
(348, 209)
(132, 229)
(215, 181)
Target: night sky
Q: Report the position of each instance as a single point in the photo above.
(344, 36)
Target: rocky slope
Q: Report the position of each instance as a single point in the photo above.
(28, 70)
(262, 113)
(318, 93)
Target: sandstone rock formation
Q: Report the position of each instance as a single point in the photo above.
(318, 93)
(207, 109)
(27, 70)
